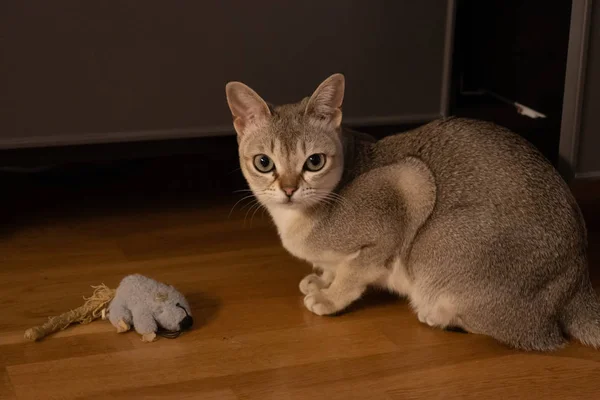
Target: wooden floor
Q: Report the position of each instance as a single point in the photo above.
(253, 339)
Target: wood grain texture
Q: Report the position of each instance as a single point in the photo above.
(253, 339)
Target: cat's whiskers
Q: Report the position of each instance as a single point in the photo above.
(255, 204)
(335, 202)
(252, 196)
(347, 203)
(238, 202)
(249, 204)
(260, 206)
(322, 199)
(332, 198)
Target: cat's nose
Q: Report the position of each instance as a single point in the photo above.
(186, 323)
(289, 191)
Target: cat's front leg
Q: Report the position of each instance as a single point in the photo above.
(347, 286)
(314, 282)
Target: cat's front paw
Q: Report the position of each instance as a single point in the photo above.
(312, 283)
(318, 303)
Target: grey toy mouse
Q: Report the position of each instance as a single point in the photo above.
(150, 307)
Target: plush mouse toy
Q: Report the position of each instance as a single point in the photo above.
(151, 307)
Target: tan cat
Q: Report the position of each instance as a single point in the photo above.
(463, 217)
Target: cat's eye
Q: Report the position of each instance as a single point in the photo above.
(315, 162)
(263, 163)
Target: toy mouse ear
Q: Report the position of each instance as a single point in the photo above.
(161, 296)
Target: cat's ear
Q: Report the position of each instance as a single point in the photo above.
(246, 106)
(326, 102)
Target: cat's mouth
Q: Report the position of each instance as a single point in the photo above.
(290, 203)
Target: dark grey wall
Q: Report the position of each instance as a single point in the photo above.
(588, 163)
(87, 72)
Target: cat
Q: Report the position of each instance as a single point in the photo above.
(463, 217)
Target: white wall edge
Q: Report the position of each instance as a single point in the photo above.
(581, 11)
(448, 52)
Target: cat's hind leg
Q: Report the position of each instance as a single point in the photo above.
(517, 325)
(440, 312)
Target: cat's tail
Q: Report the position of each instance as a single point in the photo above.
(581, 317)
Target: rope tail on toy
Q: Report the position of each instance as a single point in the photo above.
(93, 308)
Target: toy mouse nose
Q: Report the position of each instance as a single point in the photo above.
(289, 191)
(186, 323)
